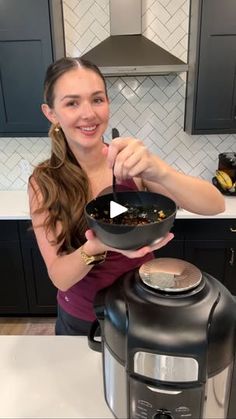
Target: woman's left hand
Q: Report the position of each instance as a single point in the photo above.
(129, 158)
(90, 236)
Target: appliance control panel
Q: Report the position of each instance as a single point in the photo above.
(158, 402)
(163, 414)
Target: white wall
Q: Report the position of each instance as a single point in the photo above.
(151, 108)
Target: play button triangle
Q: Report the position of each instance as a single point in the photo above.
(116, 209)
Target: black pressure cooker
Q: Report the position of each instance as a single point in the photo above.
(168, 343)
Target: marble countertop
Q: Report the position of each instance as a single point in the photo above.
(50, 377)
(14, 206)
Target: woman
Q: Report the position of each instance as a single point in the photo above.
(80, 167)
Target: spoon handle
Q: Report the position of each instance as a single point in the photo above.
(115, 134)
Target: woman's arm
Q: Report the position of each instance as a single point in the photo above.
(131, 158)
(191, 193)
(64, 270)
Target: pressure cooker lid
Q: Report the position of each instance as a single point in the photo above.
(170, 275)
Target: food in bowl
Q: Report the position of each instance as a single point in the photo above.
(149, 217)
(134, 216)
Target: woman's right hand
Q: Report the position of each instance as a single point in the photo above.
(94, 246)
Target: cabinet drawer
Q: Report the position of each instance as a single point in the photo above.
(26, 231)
(178, 229)
(8, 230)
(210, 229)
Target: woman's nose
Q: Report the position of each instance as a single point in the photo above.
(87, 111)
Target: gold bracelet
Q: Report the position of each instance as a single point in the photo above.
(94, 259)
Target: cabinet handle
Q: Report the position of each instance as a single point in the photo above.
(233, 230)
(231, 261)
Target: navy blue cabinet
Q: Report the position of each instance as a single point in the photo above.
(211, 81)
(175, 248)
(25, 286)
(40, 289)
(208, 244)
(13, 295)
(31, 37)
(211, 246)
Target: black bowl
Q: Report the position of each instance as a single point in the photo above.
(117, 233)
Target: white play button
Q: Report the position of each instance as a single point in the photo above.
(116, 209)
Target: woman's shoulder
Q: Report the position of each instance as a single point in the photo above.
(32, 184)
(40, 172)
(34, 192)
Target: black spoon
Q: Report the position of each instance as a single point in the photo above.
(115, 134)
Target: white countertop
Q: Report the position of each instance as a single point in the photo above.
(14, 206)
(50, 377)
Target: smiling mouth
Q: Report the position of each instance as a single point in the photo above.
(88, 129)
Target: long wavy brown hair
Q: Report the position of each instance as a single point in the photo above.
(63, 184)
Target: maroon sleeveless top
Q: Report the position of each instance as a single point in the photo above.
(78, 300)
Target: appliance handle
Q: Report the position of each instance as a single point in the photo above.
(231, 261)
(94, 344)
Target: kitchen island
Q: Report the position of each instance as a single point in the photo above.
(50, 377)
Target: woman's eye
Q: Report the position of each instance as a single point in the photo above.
(98, 100)
(72, 103)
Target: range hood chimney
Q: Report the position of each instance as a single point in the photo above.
(127, 52)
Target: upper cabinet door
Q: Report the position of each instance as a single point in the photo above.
(26, 50)
(211, 89)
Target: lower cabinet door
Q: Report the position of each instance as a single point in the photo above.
(209, 256)
(13, 295)
(174, 249)
(41, 291)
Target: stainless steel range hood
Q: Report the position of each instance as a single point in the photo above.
(127, 52)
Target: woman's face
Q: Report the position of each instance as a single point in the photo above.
(81, 107)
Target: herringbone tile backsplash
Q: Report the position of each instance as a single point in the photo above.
(150, 108)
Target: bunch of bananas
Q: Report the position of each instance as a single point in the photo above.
(225, 181)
